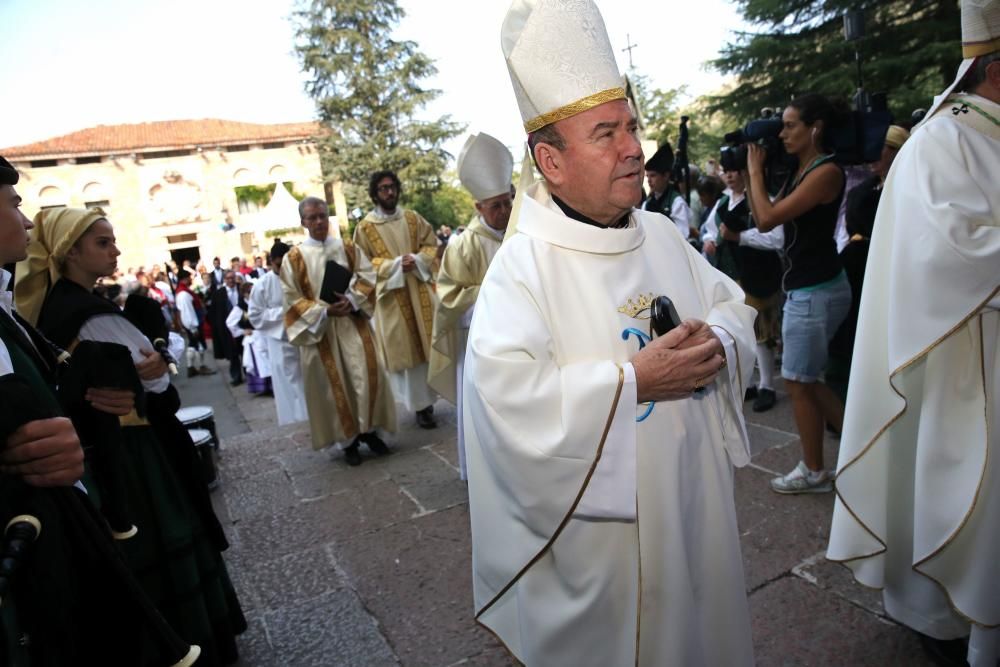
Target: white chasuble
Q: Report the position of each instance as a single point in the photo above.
(918, 481)
(462, 270)
(597, 539)
(346, 388)
(266, 310)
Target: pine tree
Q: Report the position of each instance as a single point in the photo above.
(910, 51)
(368, 91)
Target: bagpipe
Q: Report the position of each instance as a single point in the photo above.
(146, 315)
(75, 598)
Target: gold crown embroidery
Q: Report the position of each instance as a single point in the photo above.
(633, 308)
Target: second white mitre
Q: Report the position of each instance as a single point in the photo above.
(485, 166)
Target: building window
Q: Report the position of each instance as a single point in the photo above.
(38, 164)
(92, 159)
(161, 154)
(100, 203)
(51, 197)
(274, 144)
(237, 149)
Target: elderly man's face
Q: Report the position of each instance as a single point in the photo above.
(229, 278)
(599, 173)
(496, 210)
(316, 220)
(14, 226)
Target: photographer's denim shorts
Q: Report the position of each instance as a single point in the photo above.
(811, 318)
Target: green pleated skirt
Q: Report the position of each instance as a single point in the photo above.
(172, 556)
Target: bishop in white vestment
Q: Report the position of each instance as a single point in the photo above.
(266, 310)
(918, 479)
(604, 529)
(484, 167)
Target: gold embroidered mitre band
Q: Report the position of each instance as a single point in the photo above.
(980, 27)
(560, 59)
(574, 108)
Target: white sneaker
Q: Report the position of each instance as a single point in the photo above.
(803, 480)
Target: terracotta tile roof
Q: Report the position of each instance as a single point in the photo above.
(160, 135)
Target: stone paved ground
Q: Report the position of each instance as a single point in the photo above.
(370, 566)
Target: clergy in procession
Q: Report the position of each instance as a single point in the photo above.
(603, 392)
(484, 168)
(918, 479)
(329, 288)
(266, 309)
(402, 247)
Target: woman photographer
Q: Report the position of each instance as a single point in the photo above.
(818, 295)
(175, 550)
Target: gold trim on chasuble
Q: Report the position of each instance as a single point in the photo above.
(572, 508)
(982, 360)
(426, 309)
(401, 295)
(347, 421)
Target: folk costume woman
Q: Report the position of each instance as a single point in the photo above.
(175, 552)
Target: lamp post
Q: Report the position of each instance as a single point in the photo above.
(854, 31)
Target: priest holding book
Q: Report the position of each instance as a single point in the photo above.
(328, 287)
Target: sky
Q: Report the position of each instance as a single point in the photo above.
(69, 65)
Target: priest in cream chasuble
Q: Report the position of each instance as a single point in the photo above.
(346, 387)
(484, 168)
(402, 247)
(918, 478)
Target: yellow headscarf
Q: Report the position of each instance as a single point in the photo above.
(55, 232)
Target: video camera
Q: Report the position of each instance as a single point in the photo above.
(764, 132)
(857, 140)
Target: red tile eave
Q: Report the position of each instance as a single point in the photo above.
(121, 146)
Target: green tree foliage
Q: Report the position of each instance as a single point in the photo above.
(662, 111)
(450, 204)
(368, 91)
(910, 51)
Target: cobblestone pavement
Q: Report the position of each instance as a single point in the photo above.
(370, 566)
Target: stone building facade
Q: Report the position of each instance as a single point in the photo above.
(171, 188)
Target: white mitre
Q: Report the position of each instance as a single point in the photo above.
(560, 59)
(485, 167)
(980, 37)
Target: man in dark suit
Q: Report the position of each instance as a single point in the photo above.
(217, 274)
(224, 299)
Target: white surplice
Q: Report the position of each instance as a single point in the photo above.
(598, 540)
(918, 483)
(266, 311)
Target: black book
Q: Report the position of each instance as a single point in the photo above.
(336, 280)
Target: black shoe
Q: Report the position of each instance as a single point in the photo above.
(425, 418)
(751, 393)
(765, 400)
(235, 383)
(375, 443)
(352, 454)
(945, 652)
(192, 372)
